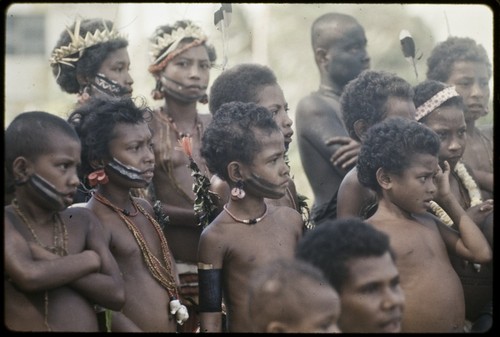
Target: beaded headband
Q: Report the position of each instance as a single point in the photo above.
(172, 40)
(435, 101)
(78, 44)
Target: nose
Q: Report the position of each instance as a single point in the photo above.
(455, 144)
(74, 180)
(393, 297)
(129, 80)
(194, 71)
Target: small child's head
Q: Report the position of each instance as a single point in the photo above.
(116, 137)
(242, 142)
(354, 256)
(461, 62)
(256, 83)
(440, 107)
(79, 55)
(392, 146)
(292, 296)
(168, 46)
(373, 96)
(42, 150)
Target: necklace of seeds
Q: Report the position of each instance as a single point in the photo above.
(59, 247)
(163, 274)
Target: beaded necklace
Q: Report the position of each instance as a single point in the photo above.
(59, 247)
(166, 147)
(471, 187)
(163, 274)
(246, 221)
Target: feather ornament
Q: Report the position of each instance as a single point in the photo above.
(222, 20)
(408, 48)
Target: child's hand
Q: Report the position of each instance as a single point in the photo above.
(442, 181)
(479, 212)
(347, 154)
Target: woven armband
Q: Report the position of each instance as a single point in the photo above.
(210, 297)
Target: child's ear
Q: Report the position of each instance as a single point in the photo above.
(97, 164)
(383, 179)
(360, 127)
(22, 169)
(234, 171)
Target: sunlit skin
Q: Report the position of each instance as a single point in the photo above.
(372, 298)
(116, 67)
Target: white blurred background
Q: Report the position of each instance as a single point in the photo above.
(277, 35)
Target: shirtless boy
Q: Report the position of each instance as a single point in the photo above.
(57, 264)
(118, 157)
(399, 160)
(245, 147)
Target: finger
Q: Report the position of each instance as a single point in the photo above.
(342, 140)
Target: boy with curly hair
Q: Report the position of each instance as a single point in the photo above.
(399, 160)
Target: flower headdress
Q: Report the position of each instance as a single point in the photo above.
(171, 41)
(78, 44)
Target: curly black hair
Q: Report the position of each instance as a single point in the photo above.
(95, 121)
(91, 59)
(231, 135)
(240, 83)
(333, 245)
(428, 88)
(365, 97)
(390, 145)
(454, 49)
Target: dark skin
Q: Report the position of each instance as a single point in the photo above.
(238, 248)
(191, 68)
(146, 307)
(88, 275)
(320, 130)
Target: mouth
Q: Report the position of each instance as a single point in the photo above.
(148, 174)
(394, 325)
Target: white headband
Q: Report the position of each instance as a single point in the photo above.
(435, 101)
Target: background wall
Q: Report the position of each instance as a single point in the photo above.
(277, 35)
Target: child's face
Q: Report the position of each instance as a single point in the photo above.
(321, 311)
(191, 70)
(132, 146)
(372, 298)
(269, 175)
(59, 168)
(471, 81)
(449, 123)
(272, 98)
(116, 68)
(412, 190)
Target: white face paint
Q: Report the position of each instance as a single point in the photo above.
(58, 200)
(126, 171)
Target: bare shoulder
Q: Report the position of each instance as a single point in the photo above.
(145, 204)
(79, 213)
(286, 216)
(310, 105)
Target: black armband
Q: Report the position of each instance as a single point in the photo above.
(210, 286)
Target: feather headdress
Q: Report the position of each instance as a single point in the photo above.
(408, 48)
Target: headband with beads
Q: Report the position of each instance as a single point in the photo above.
(435, 101)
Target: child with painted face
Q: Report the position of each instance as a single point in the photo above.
(57, 264)
(399, 160)
(258, 84)
(292, 296)
(440, 107)
(91, 59)
(463, 63)
(117, 156)
(181, 63)
(244, 146)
